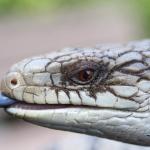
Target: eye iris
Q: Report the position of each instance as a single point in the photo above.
(85, 75)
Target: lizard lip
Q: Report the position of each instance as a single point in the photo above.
(28, 106)
(6, 102)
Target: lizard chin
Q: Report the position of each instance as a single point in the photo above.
(121, 125)
(125, 126)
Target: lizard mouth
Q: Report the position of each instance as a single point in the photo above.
(28, 106)
(7, 102)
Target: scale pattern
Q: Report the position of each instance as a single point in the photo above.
(115, 105)
(123, 81)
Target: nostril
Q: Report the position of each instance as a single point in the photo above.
(14, 82)
(11, 81)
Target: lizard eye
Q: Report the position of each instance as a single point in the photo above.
(83, 76)
(86, 72)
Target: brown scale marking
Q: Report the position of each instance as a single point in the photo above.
(56, 91)
(51, 79)
(78, 93)
(68, 94)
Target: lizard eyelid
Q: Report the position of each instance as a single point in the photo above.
(86, 72)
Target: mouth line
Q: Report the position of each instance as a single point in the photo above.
(36, 107)
(6, 102)
(31, 106)
(9, 103)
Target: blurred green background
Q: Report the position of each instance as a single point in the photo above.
(7, 7)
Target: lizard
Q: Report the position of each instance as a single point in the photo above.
(102, 91)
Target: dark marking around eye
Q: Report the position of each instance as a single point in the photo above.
(85, 72)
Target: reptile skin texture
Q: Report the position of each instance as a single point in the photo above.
(102, 91)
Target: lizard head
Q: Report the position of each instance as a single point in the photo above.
(101, 91)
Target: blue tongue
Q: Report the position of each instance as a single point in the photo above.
(5, 101)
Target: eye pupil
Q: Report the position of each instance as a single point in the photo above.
(85, 75)
(14, 82)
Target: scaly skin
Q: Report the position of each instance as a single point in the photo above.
(113, 103)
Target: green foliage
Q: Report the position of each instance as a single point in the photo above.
(142, 8)
(8, 6)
